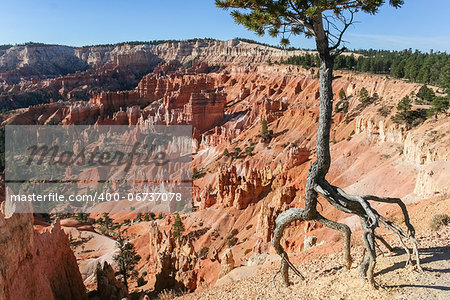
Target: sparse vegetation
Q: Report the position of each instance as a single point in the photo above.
(106, 225)
(232, 239)
(385, 110)
(141, 281)
(169, 294)
(147, 217)
(343, 103)
(81, 217)
(197, 173)
(364, 96)
(439, 221)
(249, 150)
(342, 106)
(236, 152)
(203, 253)
(342, 95)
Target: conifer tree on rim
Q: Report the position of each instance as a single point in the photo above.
(326, 21)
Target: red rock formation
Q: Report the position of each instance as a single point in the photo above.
(188, 99)
(207, 109)
(239, 191)
(108, 287)
(82, 113)
(173, 262)
(36, 265)
(112, 102)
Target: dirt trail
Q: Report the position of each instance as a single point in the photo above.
(325, 278)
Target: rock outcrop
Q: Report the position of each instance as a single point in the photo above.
(108, 287)
(174, 261)
(227, 262)
(428, 144)
(239, 191)
(36, 265)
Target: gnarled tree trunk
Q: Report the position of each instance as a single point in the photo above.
(316, 184)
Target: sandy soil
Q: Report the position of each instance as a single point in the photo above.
(326, 279)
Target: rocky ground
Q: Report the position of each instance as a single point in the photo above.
(326, 279)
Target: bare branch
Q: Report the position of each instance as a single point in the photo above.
(346, 26)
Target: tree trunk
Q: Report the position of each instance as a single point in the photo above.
(316, 183)
(320, 168)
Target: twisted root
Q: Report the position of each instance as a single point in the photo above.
(370, 220)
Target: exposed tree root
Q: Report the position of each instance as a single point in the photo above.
(383, 241)
(370, 220)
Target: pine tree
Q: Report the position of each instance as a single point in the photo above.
(364, 96)
(444, 77)
(404, 105)
(440, 104)
(264, 128)
(177, 227)
(127, 258)
(425, 93)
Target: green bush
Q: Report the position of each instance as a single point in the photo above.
(141, 281)
(385, 110)
(342, 95)
(249, 150)
(407, 116)
(196, 173)
(204, 252)
(404, 104)
(411, 118)
(233, 241)
(341, 106)
(266, 134)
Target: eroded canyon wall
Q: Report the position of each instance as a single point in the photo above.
(36, 265)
